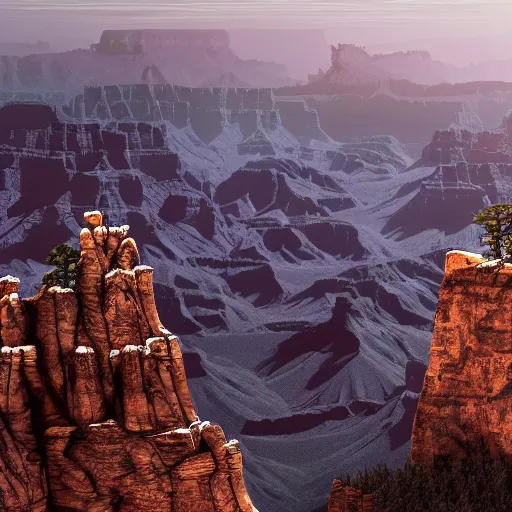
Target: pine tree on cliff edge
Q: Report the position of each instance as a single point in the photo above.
(65, 258)
(497, 221)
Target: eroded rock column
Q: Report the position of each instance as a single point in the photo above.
(96, 379)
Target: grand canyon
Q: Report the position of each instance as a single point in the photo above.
(289, 226)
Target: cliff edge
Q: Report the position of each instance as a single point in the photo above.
(467, 392)
(95, 408)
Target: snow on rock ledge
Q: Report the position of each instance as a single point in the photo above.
(95, 378)
(461, 259)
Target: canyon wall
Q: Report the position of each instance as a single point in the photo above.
(467, 392)
(246, 272)
(94, 400)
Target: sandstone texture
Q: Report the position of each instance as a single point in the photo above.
(467, 392)
(347, 499)
(95, 409)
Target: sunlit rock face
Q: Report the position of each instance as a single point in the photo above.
(466, 394)
(93, 383)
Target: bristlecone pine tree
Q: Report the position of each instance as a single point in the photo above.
(65, 258)
(497, 220)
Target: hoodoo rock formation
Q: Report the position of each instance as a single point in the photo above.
(467, 392)
(95, 410)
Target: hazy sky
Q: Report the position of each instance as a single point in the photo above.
(461, 12)
(361, 20)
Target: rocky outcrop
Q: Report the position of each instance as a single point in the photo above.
(466, 394)
(351, 64)
(450, 145)
(471, 171)
(467, 391)
(344, 499)
(95, 407)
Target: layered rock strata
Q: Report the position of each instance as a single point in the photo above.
(467, 392)
(347, 499)
(96, 414)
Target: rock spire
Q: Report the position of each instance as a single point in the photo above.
(96, 413)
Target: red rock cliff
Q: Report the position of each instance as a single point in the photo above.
(95, 410)
(467, 392)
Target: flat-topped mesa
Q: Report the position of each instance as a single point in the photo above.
(94, 377)
(467, 392)
(114, 42)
